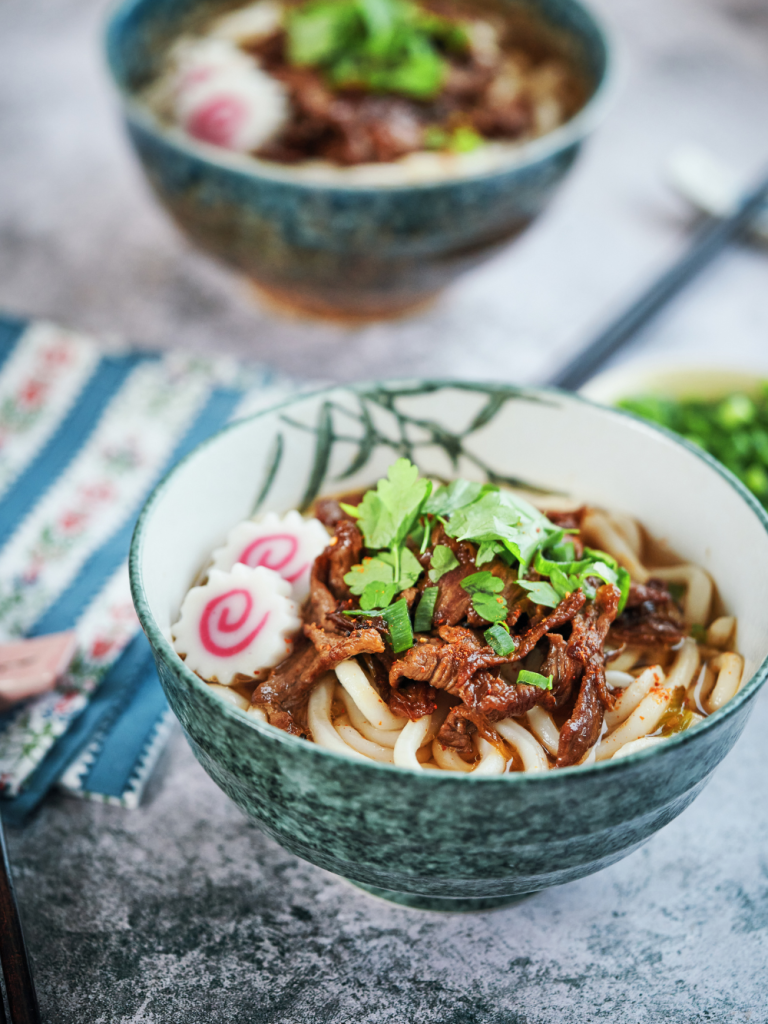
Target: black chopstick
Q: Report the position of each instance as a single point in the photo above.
(710, 240)
(19, 987)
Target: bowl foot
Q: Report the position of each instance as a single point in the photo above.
(351, 309)
(442, 904)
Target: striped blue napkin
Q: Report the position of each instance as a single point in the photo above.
(86, 431)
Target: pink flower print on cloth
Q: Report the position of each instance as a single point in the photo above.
(288, 546)
(240, 622)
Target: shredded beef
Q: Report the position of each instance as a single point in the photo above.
(562, 666)
(582, 730)
(344, 551)
(453, 602)
(413, 700)
(285, 692)
(590, 628)
(564, 612)
(650, 618)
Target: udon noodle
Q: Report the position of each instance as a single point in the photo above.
(575, 640)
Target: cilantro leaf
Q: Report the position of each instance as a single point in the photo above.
(443, 560)
(534, 679)
(487, 551)
(446, 500)
(485, 589)
(409, 566)
(490, 607)
(377, 595)
(370, 570)
(387, 515)
(482, 583)
(541, 592)
(501, 516)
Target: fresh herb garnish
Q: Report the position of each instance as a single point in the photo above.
(499, 639)
(380, 45)
(534, 679)
(399, 622)
(485, 590)
(387, 515)
(403, 510)
(541, 592)
(422, 622)
(503, 517)
(443, 560)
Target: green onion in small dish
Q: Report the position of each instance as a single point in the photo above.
(725, 412)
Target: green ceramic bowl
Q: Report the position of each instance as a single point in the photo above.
(343, 247)
(432, 839)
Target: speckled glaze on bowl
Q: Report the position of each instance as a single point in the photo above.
(431, 839)
(342, 249)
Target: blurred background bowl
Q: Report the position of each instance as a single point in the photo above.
(343, 250)
(435, 839)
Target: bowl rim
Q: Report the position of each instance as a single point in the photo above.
(668, 378)
(573, 132)
(165, 650)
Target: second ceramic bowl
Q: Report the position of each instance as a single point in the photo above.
(342, 249)
(435, 839)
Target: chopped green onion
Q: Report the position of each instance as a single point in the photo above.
(422, 622)
(399, 622)
(535, 679)
(499, 639)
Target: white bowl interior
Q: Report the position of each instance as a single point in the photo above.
(553, 441)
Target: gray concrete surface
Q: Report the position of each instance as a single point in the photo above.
(182, 911)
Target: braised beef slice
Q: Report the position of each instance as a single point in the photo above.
(563, 668)
(285, 693)
(582, 730)
(650, 617)
(590, 628)
(457, 732)
(564, 612)
(344, 551)
(329, 510)
(321, 603)
(413, 700)
(453, 602)
(459, 727)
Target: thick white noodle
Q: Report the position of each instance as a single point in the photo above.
(231, 696)
(644, 719)
(491, 761)
(698, 594)
(352, 737)
(256, 712)
(698, 690)
(448, 758)
(684, 666)
(629, 529)
(384, 737)
(319, 719)
(544, 729)
(634, 745)
(626, 660)
(603, 534)
(720, 631)
(729, 668)
(629, 699)
(409, 740)
(618, 680)
(533, 757)
(356, 683)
